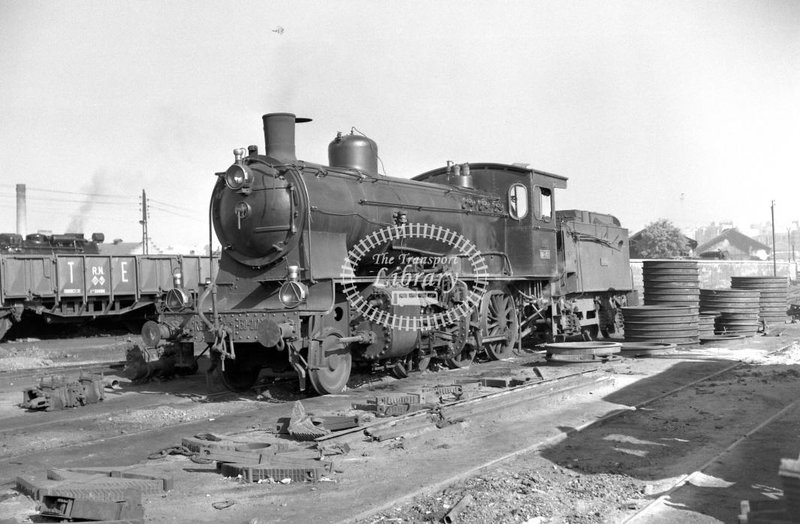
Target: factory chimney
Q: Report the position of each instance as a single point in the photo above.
(22, 210)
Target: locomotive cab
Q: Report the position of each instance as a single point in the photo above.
(527, 197)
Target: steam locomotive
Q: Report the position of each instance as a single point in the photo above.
(41, 244)
(327, 266)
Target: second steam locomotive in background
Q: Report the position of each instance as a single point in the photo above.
(326, 266)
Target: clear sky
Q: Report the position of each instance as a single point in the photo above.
(686, 110)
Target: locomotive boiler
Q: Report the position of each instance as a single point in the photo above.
(327, 266)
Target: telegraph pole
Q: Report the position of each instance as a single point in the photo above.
(143, 222)
(774, 261)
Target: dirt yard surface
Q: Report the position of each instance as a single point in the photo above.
(35, 353)
(677, 437)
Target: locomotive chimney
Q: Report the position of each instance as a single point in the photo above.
(279, 135)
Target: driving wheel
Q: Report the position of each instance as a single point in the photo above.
(499, 324)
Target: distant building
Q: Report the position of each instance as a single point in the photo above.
(705, 233)
(730, 244)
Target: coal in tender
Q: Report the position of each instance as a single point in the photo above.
(671, 282)
(662, 324)
(774, 296)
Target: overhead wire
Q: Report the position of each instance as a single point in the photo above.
(172, 206)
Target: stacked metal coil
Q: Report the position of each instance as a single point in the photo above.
(707, 324)
(663, 324)
(774, 296)
(738, 309)
(671, 283)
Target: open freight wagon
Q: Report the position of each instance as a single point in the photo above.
(75, 288)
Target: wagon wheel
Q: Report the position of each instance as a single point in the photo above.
(463, 353)
(240, 374)
(329, 363)
(499, 324)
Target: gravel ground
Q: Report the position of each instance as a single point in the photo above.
(596, 473)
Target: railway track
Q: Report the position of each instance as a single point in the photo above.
(640, 516)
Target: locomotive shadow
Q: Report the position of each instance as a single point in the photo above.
(194, 386)
(653, 445)
(206, 386)
(35, 327)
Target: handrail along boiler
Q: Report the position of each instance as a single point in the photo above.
(324, 266)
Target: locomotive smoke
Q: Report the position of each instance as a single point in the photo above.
(96, 185)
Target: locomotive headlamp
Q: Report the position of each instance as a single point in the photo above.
(238, 177)
(177, 300)
(292, 292)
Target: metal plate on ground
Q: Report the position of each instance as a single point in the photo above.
(721, 338)
(646, 349)
(582, 351)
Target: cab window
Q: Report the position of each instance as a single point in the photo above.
(545, 195)
(517, 201)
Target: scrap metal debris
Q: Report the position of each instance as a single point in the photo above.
(275, 464)
(428, 398)
(95, 494)
(262, 461)
(402, 428)
(128, 509)
(453, 514)
(58, 392)
(205, 444)
(332, 449)
(301, 426)
(277, 472)
(336, 422)
(502, 382)
(223, 504)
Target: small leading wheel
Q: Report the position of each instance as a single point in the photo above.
(241, 373)
(462, 353)
(499, 324)
(329, 363)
